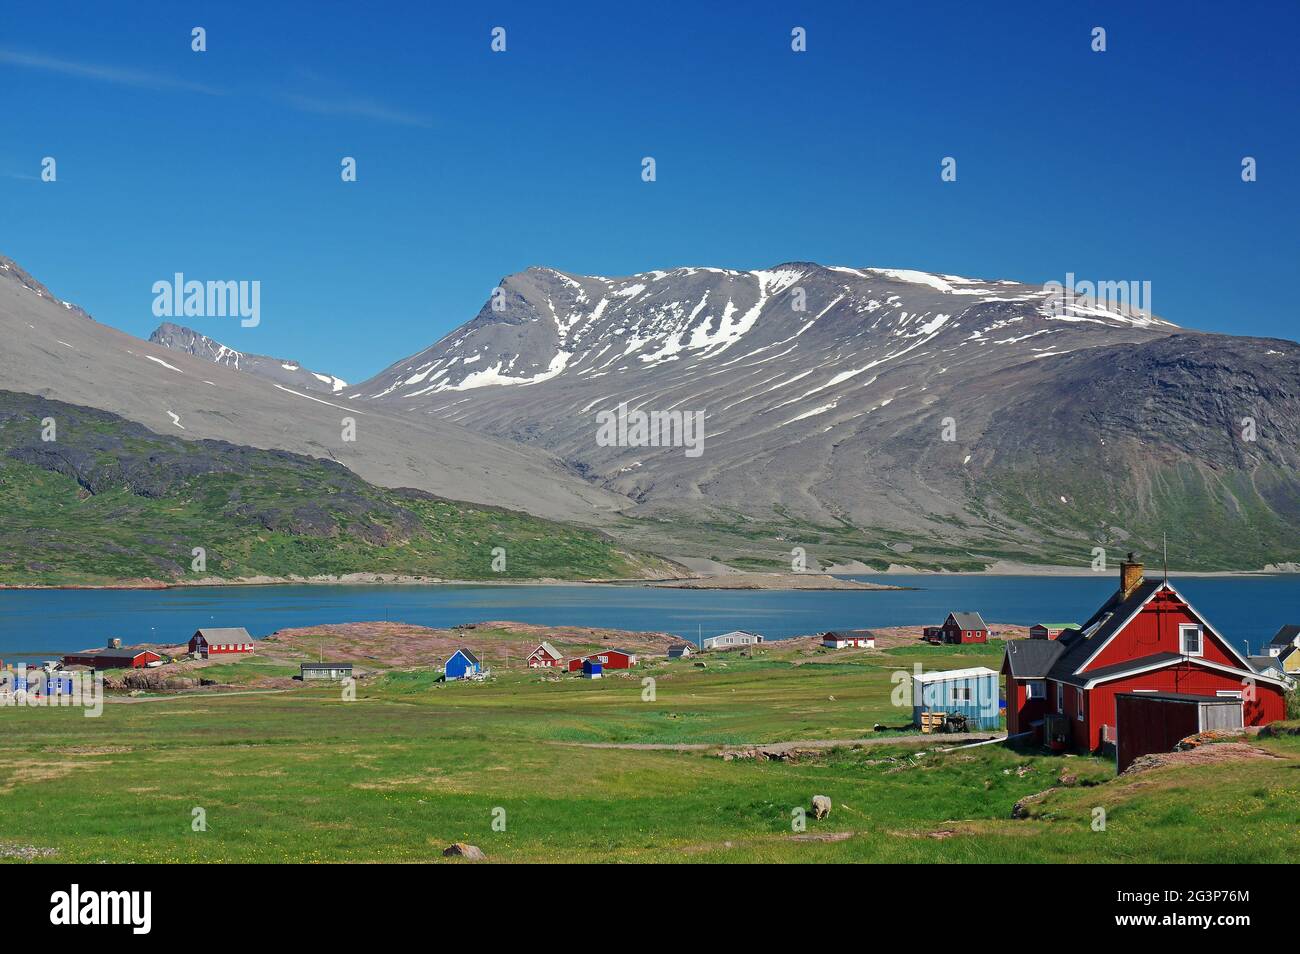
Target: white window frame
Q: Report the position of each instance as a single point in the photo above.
(1029, 689)
(1183, 628)
(1229, 694)
(961, 694)
(1078, 703)
(1060, 698)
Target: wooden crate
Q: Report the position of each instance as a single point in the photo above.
(932, 721)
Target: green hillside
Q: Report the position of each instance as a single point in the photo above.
(109, 500)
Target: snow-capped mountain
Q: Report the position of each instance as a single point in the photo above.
(889, 400)
(51, 348)
(189, 341)
(543, 324)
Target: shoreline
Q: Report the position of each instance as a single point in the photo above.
(839, 576)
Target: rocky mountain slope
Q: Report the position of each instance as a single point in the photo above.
(884, 415)
(53, 349)
(283, 370)
(99, 499)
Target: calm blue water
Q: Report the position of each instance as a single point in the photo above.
(44, 623)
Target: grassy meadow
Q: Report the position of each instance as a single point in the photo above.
(413, 765)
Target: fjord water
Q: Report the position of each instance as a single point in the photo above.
(44, 623)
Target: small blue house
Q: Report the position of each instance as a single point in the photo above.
(462, 665)
(969, 692)
(591, 669)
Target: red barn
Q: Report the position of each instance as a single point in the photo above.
(608, 659)
(1147, 639)
(218, 642)
(112, 658)
(964, 628)
(544, 656)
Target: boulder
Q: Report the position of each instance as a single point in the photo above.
(462, 850)
(821, 806)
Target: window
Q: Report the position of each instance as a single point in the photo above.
(1189, 639)
(1078, 704)
(1036, 689)
(961, 693)
(1060, 697)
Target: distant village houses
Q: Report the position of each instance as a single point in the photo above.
(732, 640)
(544, 656)
(681, 651)
(608, 659)
(214, 642)
(1049, 630)
(462, 664)
(961, 628)
(843, 638)
(113, 658)
(325, 671)
(1285, 648)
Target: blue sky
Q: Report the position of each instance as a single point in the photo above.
(472, 165)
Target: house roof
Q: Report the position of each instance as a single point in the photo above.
(468, 654)
(1109, 619)
(684, 647)
(228, 634)
(1286, 634)
(1265, 663)
(943, 675)
(851, 634)
(1032, 658)
(547, 648)
(1153, 661)
(1058, 625)
(592, 662)
(969, 620)
(113, 653)
(321, 665)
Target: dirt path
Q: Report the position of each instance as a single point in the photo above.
(781, 749)
(191, 696)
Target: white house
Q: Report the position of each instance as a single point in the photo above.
(842, 638)
(682, 651)
(732, 640)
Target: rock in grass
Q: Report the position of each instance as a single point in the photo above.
(821, 806)
(462, 850)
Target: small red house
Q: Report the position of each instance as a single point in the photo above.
(964, 628)
(112, 658)
(544, 656)
(1147, 638)
(214, 642)
(608, 659)
(1049, 630)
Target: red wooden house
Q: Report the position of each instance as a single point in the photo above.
(608, 659)
(544, 656)
(218, 642)
(964, 628)
(112, 658)
(1147, 638)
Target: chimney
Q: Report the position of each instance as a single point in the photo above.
(1130, 576)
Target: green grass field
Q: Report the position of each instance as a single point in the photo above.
(412, 765)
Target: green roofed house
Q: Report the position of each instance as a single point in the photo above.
(1049, 630)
